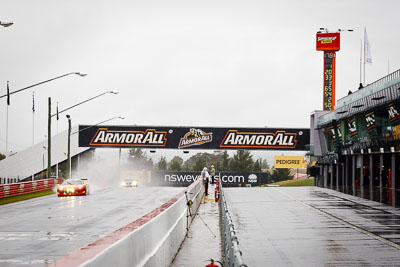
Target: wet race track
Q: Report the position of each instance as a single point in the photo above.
(36, 232)
(311, 226)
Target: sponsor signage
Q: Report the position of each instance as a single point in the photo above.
(394, 114)
(371, 122)
(175, 178)
(328, 41)
(352, 127)
(288, 162)
(339, 132)
(331, 131)
(335, 132)
(194, 137)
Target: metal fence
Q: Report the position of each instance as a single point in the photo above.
(233, 256)
(8, 190)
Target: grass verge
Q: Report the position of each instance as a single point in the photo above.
(12, 199)
(301, 182)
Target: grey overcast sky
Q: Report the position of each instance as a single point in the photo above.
(183, 63)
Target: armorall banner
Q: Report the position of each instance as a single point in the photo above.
(154, 137)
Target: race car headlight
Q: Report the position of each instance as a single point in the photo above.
(134, 183)
(123, 183)
(61, 187)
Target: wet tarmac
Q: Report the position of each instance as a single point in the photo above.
(280, 226)
(312, 226)
(35, 232)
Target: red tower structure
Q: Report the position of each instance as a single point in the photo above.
(329, 43)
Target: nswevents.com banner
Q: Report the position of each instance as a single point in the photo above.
(176, 178)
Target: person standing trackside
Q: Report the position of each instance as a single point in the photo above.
(212, 173)
(206, 177)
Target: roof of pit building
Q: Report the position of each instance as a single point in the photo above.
(28, 162)
(379, 93)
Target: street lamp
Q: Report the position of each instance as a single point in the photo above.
(339, 30)
(69, 148)
(6, 23)
(58, 77)
(122, 118)
(108, 92)
(49, 123)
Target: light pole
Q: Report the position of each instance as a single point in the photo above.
(259, 160)
(69, 148)
(6, 23)
(69, 165)
(122, 118)
(42, 176)
(49, 125)
(22, 89)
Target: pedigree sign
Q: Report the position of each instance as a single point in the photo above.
(289, 162)
(328, 41)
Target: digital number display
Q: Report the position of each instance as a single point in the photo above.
(328, 80)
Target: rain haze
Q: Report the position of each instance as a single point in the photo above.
(182, 63)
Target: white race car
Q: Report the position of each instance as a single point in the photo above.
(129, 182)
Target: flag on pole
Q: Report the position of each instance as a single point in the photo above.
(33, 101)
(367, 48)
(57, 111)
(8, 94)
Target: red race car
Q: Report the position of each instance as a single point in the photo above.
(73, 187)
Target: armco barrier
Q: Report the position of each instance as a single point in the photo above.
(233, 256)
(8, 190)
(152, 240)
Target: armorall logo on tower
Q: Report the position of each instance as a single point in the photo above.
(150, 138)
(195, 137)
(279, 139)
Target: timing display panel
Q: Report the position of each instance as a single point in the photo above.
(329, 79)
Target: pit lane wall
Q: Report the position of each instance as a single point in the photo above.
(152, 240)
(15, 189)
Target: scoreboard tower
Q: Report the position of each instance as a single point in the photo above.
(329, 43)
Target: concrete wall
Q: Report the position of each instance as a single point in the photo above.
(156, 242)
(317, 140)
(152, 240)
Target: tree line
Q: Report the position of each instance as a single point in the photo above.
(241, 161)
